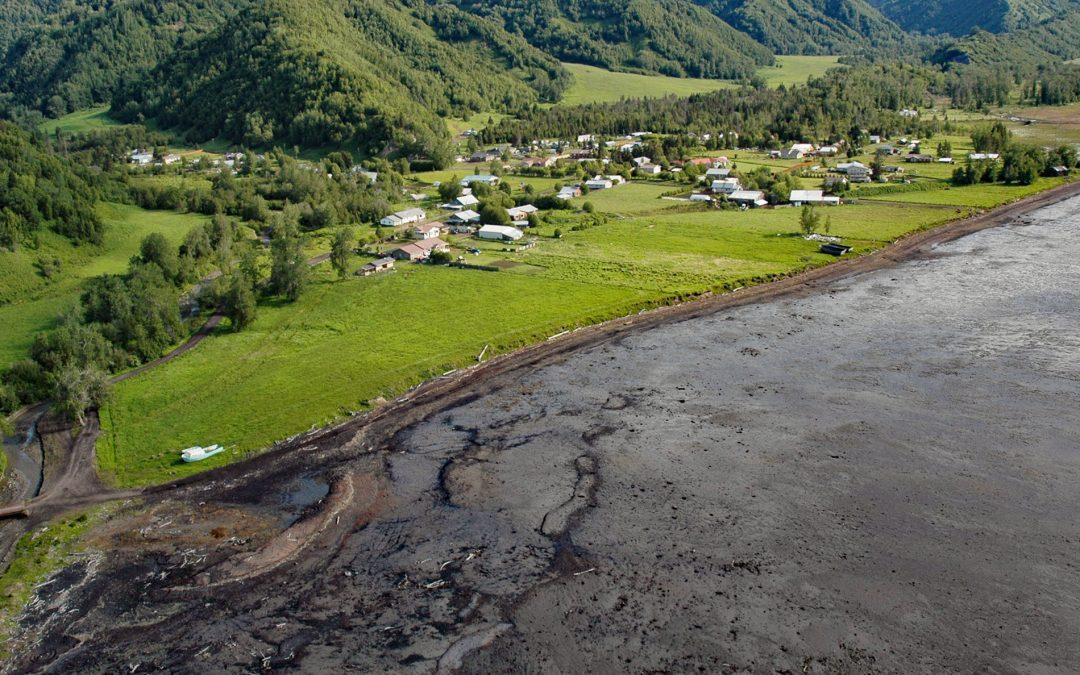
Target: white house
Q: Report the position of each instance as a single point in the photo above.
(407, 217)
(748, 197)
(171, 159)
(700, 198)
(726, 186)
(639, 161)
(464, 217)
(462, 202)
(486, 179)
(800, 197)
(616, 179)
(585, 138)
(828, 151)
(141, 157)
(427, 231)
(599, 183)
(500, 233)
(649, 169)
(804, 148)
(983, 156)
(717, 174)
(908, 112)
(568, 192)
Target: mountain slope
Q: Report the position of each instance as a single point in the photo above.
(809, 26)
(73, 61)
(672, 37)
(961, 17)
(1048, 42)
(341, 72)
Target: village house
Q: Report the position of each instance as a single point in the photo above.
(828, 151)
(599, 183)
(499, 233)
(700, 197)
(427, 231)
(141, 157)
(801, 197)
(464, 217)
(857, 172)
(833, 182)
(483, 156)
(372, 176)
(983, 156)
(649, 169)
(751, 198)
(945, 160)
(586, 138)
(717, 173)
(909, 113)
(639, 161)
(915, 158)
(726, 186)
(568, 192)
(520, 214)
(407, 217)
(485, 179)
(376, 266)
(171, 159)
(461, 203)
(419, 250)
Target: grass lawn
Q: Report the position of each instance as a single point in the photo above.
(477, 122)
(32, 303)
(81, 121)
(342, 345)
(631, 198)
(979, 196)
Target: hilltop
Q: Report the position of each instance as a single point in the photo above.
(960, 17)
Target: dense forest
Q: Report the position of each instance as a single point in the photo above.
(1022, 50)
(672, 37)
(828, 108)
(810, 26)
(39, 189)
(340, 73)
(960, 17)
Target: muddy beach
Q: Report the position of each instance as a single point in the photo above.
(878, 474)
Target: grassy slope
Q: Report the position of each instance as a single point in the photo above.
(596, 85)
(81, 121)
(33, 303)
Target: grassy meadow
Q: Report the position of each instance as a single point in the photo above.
(30, 303)
(596, 85)
(80, 121)
(345, 344)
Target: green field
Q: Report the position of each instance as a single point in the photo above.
(596, 85)
(796, 69)
(31, 303)
(978, 196)
(80, 121)
(342, 345)
(345, 344)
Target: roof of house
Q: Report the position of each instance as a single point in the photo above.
(522, 210)
(428, 227)
(465, 216)
(409, 213)
(806, 195)
(381, 262)
(504, 230)
(429, 244)
(748, 195)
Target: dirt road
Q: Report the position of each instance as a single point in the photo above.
(874, 470)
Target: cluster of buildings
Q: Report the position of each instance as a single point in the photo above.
(141, 157)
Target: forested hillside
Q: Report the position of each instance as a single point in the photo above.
(39, 189)
(340, 72)
(76, 60)
(672, 37)
(1020, 50)
(961, 17)
(809, 26)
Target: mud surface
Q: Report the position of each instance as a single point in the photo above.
(882, 475)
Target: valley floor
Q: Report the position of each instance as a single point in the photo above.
(870, 472)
